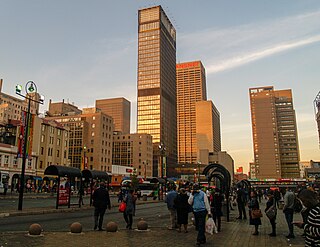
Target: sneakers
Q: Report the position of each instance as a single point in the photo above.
(290, 236)
(255, 233)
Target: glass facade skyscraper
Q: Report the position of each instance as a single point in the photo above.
(156, 111)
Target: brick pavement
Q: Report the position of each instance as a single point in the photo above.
(235, 233)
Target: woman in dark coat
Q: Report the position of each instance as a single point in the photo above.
(272, 202)
(216, 205)
(254, 204)
(182, 206)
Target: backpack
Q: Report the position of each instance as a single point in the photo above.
(297, 206)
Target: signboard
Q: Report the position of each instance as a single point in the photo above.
(63, 196)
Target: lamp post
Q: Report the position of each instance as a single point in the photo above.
(162, 168)
(85, 163)
(145, 163)
(194, 174)
(199, 163)
(30, 87)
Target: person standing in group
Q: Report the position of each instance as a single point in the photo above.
(254, 204)
(312, 225)
(183, 208)
(272, 203)
(241, 201)
(130, 200)
(201, 207)
(171, 196)
(216, 208)
(288, 210)
(101, 201)
(81, 194)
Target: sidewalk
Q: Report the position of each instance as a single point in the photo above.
(236, 233)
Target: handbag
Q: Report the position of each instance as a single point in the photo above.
(122, 207)
(272, 211)
(256, 213)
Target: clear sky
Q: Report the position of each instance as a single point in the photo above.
(81, 50)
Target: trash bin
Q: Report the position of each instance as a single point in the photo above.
(144, 197)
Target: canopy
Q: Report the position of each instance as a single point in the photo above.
(62, 171)
(95, 174)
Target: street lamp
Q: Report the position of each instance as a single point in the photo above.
(194, 174)
(30, 87)
(162, 165)
(85, 163)
(145, 163)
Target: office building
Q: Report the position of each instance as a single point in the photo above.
(156, 101)
(134, 150)
(191, 88)
(274, 130)
(119, 110)
(62, 109)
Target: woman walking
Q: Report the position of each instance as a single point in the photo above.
(183, 208)
(254, 205)
(216, 205)
(272, 205)
(130, 201)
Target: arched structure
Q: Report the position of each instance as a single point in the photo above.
(217, 171)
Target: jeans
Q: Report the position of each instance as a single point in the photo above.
(129, 219)
(288, 213)
(200, 220)
(273, 224)
(98, 216)
(173, 218)
(242, 210)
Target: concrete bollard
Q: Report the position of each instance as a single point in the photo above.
(144, 198)
(35, 229)
(76, 227)
(112, 226)
(142, 225)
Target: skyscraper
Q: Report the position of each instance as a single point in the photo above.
(156, 112)
(119, 110)
(191, 87)
(274, 129)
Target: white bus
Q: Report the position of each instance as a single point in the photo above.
(4, 178)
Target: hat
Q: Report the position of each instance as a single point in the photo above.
(196, 187)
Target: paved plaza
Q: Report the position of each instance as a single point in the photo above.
(234, 233)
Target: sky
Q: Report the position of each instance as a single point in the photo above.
(80, 51)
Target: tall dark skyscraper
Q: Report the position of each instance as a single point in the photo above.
(157, 114)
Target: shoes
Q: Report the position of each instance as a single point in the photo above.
(178, 230)
(127, 226)
(290, 236)
(239, 218)
(255, 233)
(101, 229)
(95, 227)
(186, 231)
(244, 218)
(272, 234)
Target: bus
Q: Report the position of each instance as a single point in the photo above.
(4, 178)
(147, 188)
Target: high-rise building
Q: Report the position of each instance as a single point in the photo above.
(274, 129)
(317, 112)
(207, 120)
(156, 111)
(191, 87)
(133, 150)
(119, 110)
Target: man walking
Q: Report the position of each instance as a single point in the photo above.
(201, 208)
(288, 210)
(241, 201)
(101, 201)
(172, 194)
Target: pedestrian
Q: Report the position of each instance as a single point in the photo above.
(120, 196)
(288, 210)
(216, 208)
(254, 205)
(272, 203)
(241, 201)
(101, 201)
(172, 194)
(5, 187)
(277, 196)
(183, 208)
(312, 226)
(201, 208)
(81, 194)
(130, 200)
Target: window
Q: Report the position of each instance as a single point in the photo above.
(42, 150)
(6, 160)
(42, 138)
(41, 163)
(58, 153)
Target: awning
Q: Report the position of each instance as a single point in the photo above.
(62, 171)
(95, 174)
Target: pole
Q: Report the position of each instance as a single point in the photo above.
(24, 157)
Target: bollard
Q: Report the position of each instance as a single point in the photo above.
(76, 227)
(144, 197)
(112, 227)
(142, 225)
(35, 229)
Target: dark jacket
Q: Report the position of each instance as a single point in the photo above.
(181, 203)
(216, 204)
(101, 198)
(253, 204)
(270, 203)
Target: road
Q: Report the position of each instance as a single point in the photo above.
(156, 214)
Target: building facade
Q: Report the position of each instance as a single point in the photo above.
(156, 113)
(90, 139)
(134, 150)
(274, 130)
(119, 110)
(62, 109)
(191, 87)
(207, 127)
